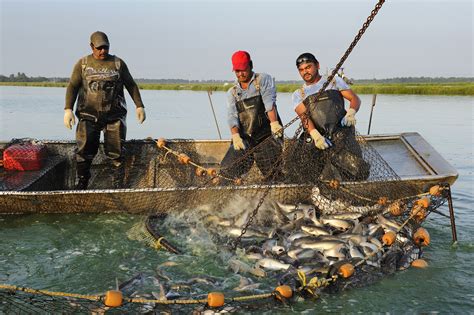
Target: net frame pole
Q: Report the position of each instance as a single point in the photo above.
(451, 215)
(209, 92)
(374, 98)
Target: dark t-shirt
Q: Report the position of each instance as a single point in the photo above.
(108, 64)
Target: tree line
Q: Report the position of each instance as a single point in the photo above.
(22, 77)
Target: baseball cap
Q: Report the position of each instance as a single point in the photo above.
(99, 39)
(240, 60)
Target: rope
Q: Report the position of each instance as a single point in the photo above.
(157, 243)
(314, 283)
(133, 300)
(178, 155)
(50, 293)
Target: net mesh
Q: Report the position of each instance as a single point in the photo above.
(315, 213)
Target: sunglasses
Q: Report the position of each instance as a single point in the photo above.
(102, 48)
(301, 60)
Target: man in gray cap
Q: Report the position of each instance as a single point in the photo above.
(97, 82)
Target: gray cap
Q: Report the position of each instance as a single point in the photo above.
(99, 39)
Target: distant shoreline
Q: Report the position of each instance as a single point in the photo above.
(451, 88)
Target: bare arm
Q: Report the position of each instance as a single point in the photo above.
(307, 123)
(353, 99)
(234, 130)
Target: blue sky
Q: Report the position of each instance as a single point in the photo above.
(195, 39)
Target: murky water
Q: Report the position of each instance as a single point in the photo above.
(71, 252)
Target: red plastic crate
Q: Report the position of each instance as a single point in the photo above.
(24, 157)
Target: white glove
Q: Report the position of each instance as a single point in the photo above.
(319, 141)
(277, 129)
(69, 119)
(237, 142)
(141, 116)
(349, 119)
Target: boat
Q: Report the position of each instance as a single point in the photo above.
(155, 182)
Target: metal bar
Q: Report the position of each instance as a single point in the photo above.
(418, 157)
(209, 92)
(374, 98)
(451, 215)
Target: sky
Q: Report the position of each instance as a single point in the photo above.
(194, 40)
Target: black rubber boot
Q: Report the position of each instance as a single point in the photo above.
(118, 174)
(82, 183)
(83, 174)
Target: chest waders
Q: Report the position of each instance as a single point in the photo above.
(343, 161)
(254, 124)
(254, 127)
(100, 107)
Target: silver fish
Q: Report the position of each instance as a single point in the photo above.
(344, 216)
(272, 264)
(387, 223)
(314, 230)
(246, 285)
(238, 266)
(342, 225)
(322, 245)
(354, 251)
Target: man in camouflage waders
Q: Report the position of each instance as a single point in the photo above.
(97, 82)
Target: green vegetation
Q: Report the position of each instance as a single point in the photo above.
(453, 88)
(447, 87)
(43, 84)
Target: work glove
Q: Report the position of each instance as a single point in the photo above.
(349, 119)
(277, 129)
(69, 119)
(141, 116)
(237, 142)
(319, 141)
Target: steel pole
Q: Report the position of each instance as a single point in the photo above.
(209, 92)
(374, 98)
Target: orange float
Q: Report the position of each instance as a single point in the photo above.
(238, 181)
(421, 237)
(346, 270)
(161, 143)
(334, 183)
(419, 263)
(215, 299)
(285, 291)
(200, 171)
(113, 298)
(418, 213)
(435, 190)
(389, 238)
(397, 208)
(211, 172)
(423, 202)
(183, 158)
(382, 201)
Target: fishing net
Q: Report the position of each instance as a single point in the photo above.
(312, 221)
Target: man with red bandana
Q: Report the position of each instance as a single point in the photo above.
(252, 118)
(97, 82)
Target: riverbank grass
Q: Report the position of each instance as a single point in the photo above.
(455, 88)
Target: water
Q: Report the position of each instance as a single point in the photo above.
(71, 252)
